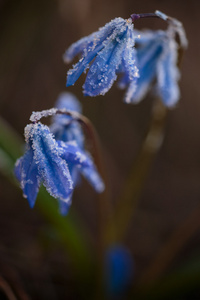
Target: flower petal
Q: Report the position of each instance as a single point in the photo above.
(82, 161)
(93, 177)
(68, 101)
(52, 168)
(78, 47)
(102, 72)
(86, 43)
(27, 173)
(75, 73)
(129, 65)
(63, 127)
(93, 48)
(64, 205)
(168, 75)
(147, 58)
(74, 155)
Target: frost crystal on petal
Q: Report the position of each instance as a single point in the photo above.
(37, 115)
(42, 163)
(156, 56)
(70, 139)
(108, 47)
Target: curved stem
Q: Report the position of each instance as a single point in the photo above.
(143, 15)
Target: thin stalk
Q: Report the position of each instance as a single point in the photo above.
(143, 15)
(127, 201)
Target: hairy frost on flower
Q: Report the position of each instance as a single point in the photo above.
(107, 46)
(157, 63)
(37, 115)
(42, 163)
(69, 136)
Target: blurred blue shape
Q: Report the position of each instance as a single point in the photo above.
(157, 63)
(119, 269)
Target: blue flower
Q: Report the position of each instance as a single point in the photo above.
(108, 48)
(53, 164)
(42, 163)
(69, 136)
(118, 271)
(157, 63)
(63, 126)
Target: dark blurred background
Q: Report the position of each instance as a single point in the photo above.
(33, 38)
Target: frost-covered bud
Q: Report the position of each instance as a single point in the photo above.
(108, 48)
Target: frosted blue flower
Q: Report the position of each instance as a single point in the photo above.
(118, 271)
(42, 163)
(103, 52)
(157, 64)
(50, 162)
(69, 136)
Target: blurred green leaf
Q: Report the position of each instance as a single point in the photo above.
(10, 140)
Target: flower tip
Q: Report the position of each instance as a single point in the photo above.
(66, 59)
(100, 188)
(68, 83)
(31, 202)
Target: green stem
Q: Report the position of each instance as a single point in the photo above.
(127, 202)
(10, 141)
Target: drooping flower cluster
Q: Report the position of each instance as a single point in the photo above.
(55, 156)
(111, 51)
(55, 160)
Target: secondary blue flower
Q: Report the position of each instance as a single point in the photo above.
(118, 271)
(63, 126)
(53, 164)
(157, 63)
(111, 46)
(70, 137)
(42, 163)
